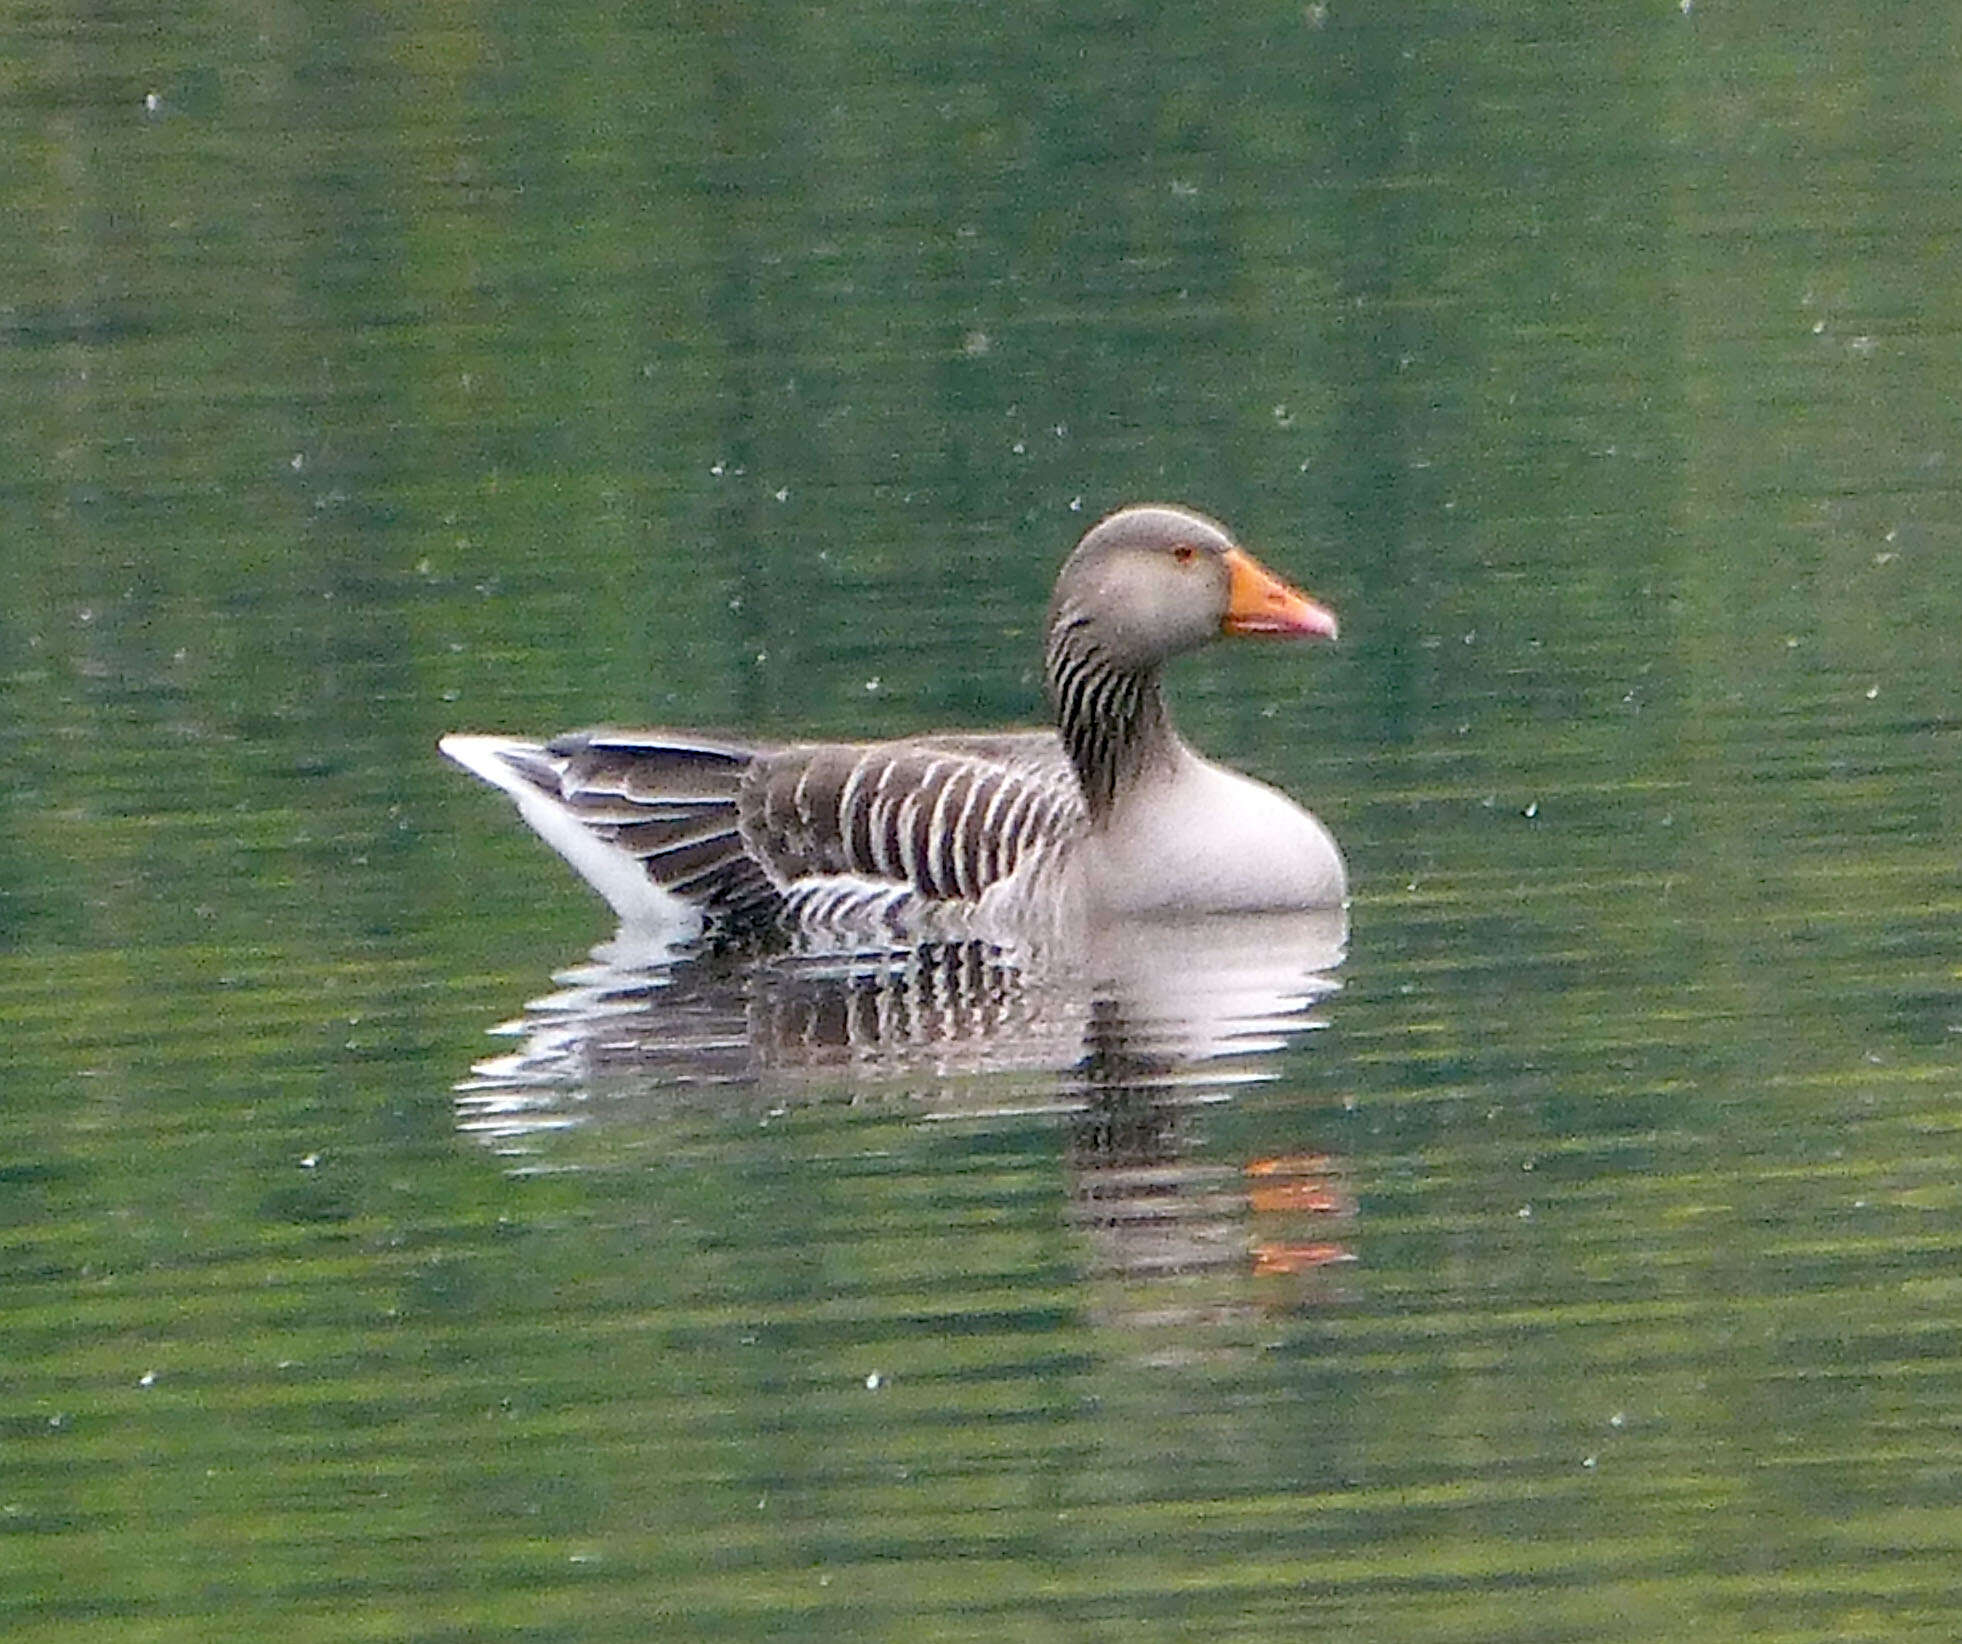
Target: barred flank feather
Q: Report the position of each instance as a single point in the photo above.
(885, 840)
(943, 819)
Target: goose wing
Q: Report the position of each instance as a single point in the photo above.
(942, 818)
(764, 835)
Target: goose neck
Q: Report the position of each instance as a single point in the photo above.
(1112, 718)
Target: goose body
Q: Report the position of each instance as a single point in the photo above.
(1109, 816)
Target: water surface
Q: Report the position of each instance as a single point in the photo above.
(1573, 1257)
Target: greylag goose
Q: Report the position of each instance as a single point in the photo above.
(960, 834)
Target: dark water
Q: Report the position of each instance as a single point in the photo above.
(1579, 1257)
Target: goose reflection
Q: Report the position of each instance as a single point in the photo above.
(1150, 1205)
(1125, 1037)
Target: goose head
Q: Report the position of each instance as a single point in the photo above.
(1149, 583)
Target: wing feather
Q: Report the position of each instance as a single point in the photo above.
(759, 834)
(672, 800)
(930, 815)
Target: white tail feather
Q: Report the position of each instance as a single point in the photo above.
(617, 875)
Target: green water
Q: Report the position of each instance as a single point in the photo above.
(1588, 1265)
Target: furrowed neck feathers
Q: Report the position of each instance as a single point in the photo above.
(1113, 719)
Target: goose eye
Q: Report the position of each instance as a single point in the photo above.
(1185, 553)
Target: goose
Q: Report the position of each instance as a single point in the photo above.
(960, 835)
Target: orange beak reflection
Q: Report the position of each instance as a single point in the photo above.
(1258, 602)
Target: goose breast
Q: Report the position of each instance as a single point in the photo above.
(1205, 839)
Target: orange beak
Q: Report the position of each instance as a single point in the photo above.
(1258, 602)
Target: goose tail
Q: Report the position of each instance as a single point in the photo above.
(649, 819)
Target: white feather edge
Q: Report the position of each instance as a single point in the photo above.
(619, 876)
